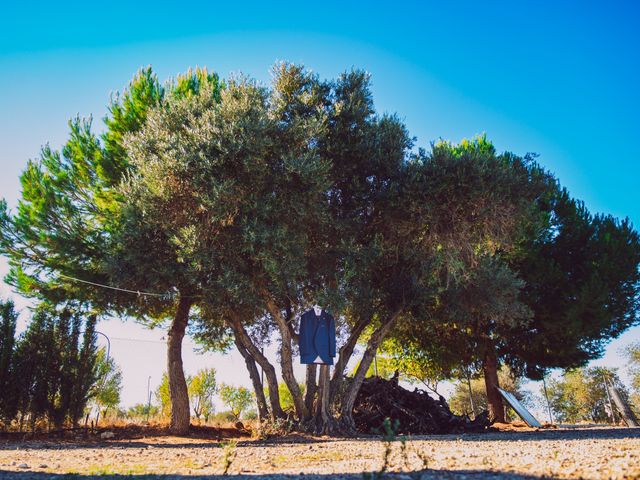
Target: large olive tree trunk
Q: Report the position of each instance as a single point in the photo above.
(269, 371)
(263, 411)
(325, 423)
(344, 356)
(494, 399)
(180, 413)
(286, 359)
(311, 387)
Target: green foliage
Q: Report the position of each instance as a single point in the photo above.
(633, 356)
(143, 410)
(566, 283)
(251, 414)
(53, 368)
(251, 202)
(108, 383)
(237, 399)
(224, 417)
(228, 455)
(202, 388)
(470, 317)
(414, 363)
(468, 203)
(145, 219)
(460, 403)
(286, 399)
(209, 332)
(68, 207)
(72, 221)
(8, 391)
(127, 113)
(278, 196)
(385, 368)
(580, 395)
(69, 220)
(214, 182)
(581, 282)
(163, 396)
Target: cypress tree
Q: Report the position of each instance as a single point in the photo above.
(54, 369)
(8, 390)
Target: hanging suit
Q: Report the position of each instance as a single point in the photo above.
(317, 337)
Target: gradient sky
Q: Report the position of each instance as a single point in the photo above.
(556, 78)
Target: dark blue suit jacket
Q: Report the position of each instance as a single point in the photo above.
(317, 337)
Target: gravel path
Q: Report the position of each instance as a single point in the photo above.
(564, 453)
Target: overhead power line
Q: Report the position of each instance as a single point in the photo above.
(160, 342)
(137, 292)
(126, 290)
(138, 340)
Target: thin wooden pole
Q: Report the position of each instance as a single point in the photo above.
(473, 406)
(546, 395)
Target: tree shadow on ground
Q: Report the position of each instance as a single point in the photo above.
(101, 444)
(166, 442)
(427, 474)
(616, 433)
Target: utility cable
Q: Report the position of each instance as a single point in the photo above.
(124, 339)
(126, 290)
(137, 292)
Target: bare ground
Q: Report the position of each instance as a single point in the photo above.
(594, 452)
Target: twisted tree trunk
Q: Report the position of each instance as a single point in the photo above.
(494, 399)
(345, 355)
(286, 360)
(269, 371)
(263, 411)
(325, 423)
(177, 384)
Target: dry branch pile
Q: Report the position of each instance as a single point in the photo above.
(416, 411)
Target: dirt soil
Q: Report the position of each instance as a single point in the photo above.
(584, 452)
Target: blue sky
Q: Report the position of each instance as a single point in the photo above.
(556, 78)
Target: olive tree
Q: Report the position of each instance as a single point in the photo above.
(298, 193)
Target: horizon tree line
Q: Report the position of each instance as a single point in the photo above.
(578, 395)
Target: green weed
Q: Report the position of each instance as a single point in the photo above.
(229, 455)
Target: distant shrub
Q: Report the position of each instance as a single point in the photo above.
(224, 417)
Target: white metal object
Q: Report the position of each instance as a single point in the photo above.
(519, 408)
